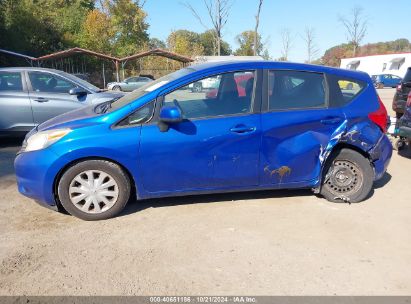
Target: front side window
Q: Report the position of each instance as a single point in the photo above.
(224, 94)
(11, 81)
(296, 90)
(49, 83)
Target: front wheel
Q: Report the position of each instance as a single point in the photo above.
(348, 177)
(94, 190)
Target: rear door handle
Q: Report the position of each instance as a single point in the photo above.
(242, 129)
(41, 99)
(331, 120)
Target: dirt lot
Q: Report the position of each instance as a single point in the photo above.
(260, 243)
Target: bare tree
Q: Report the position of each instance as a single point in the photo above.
(356, 27)
(286, 44)
(257, 23)
(218, 12)
(311, 47)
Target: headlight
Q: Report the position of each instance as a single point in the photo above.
(44, 139)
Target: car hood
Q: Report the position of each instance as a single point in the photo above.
(61, 121)
(68, 119)
(108, 94)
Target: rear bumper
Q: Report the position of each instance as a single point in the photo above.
(381, 156)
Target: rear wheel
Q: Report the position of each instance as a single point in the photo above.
(94, 190)
(116, 88)
(349, 177)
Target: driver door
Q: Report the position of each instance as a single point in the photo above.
(216, 146)
(49, 96)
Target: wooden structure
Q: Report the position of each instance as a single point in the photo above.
(116, 61)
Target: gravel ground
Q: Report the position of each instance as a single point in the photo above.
(258, 243)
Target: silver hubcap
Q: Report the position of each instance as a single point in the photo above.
(346, 178)
(93, 191)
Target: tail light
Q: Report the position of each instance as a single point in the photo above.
(409, 100)
(380, 116)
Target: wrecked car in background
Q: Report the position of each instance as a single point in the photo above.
(295, 126)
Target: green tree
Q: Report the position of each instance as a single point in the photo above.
(42, 26)
(186, 43)
(129, 22)
(208, 41)
(97, 32)
(155, 43)
(246, 44)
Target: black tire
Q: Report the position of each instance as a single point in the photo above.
(359, 176)
(116, 88)
(399, 144)
(113, 170)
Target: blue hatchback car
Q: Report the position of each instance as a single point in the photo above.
(284, 126)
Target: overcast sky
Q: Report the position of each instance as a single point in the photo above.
(388, 20)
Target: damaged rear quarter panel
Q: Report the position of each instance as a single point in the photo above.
(293, 143)
(296, 144)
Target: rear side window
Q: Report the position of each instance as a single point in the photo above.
(296, 90)
(11, 81)
(343, 90)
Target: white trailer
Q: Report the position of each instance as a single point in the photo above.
(395, 64)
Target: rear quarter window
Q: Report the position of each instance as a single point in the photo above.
(343, 90)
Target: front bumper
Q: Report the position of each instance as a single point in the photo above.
(35, 174)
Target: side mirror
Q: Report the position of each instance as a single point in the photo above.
(77, 91)
(169, 115)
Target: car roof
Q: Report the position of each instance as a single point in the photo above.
(278, 65)
(31, 69)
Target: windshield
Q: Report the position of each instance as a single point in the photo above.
(80, 81)
(149, 87)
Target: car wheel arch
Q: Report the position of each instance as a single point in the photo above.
(83, 159)
(332, 154)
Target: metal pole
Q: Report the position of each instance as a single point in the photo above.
(104, 77)
(117, 70)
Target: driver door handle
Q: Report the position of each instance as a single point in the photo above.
(242, 129)
(41, 99)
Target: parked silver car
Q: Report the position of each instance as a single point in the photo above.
(128, 84)
(30, 96)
